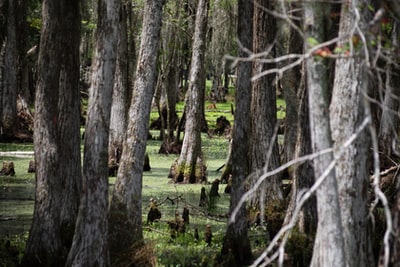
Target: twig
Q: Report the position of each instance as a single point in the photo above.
(285, 230)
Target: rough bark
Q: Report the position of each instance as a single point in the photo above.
(290, 42)
(90, 243)
(328, 246)
(47, 244)
(389, 122)
(392, 87)
(303, 174)
(170, 80)
(9, 88)
(3, 20)
(236, 241)
(69, 123)
(263, 107)
(125, 212)
(346, 114)
(189, 161)
(120, 103)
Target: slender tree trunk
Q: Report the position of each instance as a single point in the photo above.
(191, 148)
(297, 139)
(125, 210)
(290, 42)
(3, 20)
(236, 242)
(346, 114)
(263, 107)
(389, 123)
(220, 28)
(92, 249)
(328, 246)
(303, 174)
(120, 104)
(9, 91)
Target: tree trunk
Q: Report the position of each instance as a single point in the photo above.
(303, 174)
(328, 246)
(92, 249)
(220, 28)
(69, 127)
(263, 108)
(297, 139)
(388, 136)
(389, 123)
(9, 91)
(125, 217)
(56, 136)
(346, 114)
(236, 242)
(189, 161)
(170, 80)
(290, 42)
(120, 103)
(3, 20)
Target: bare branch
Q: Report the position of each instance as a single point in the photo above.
(285, 230)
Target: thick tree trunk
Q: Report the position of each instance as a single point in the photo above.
(189, 161)
(236, 242)
(125, 218)
(92, 249)
(69, 125)
(54, 137)
(346, 114)
(263, 108)
(328, 246)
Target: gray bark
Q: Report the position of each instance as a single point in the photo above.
(303, 174)
(388, 132)
(56, 137)
(120, 103)
(236, 242)
(389, 122)
(191, 147)
(90, 243)
(263, 107)
(328, 246)
(346, 114)
(125, 212)
(290, 42)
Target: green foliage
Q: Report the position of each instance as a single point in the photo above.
(312, 41)
(184, 250)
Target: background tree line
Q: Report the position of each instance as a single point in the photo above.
(336, 64)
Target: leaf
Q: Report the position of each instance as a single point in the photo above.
(312, 41)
